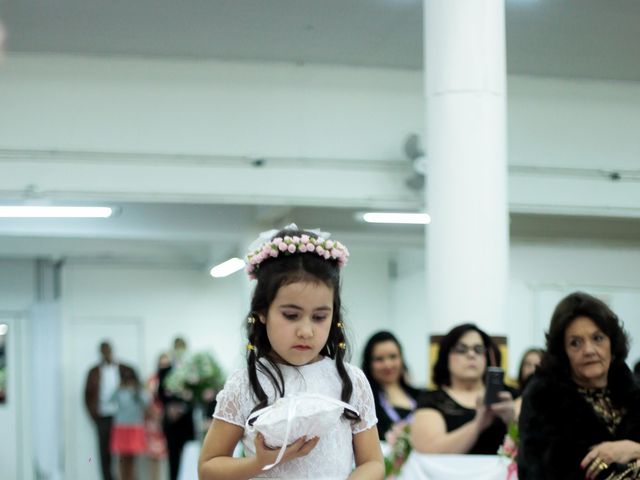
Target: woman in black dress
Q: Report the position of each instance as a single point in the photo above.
(453, 418)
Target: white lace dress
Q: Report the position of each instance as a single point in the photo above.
(332, 458)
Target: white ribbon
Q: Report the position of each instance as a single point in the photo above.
(294, 400)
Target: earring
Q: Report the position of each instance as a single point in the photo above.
(342, 345)
(251, 319)
(340, 325)
(251, 346)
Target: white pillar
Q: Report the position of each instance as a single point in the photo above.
(468, 238)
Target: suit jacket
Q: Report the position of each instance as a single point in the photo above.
(558, 426)
(92, 387)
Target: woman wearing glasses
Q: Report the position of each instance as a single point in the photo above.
(454, 418)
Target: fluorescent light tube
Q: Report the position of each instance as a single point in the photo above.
(227, 268)
(42, 211)
(397, 217)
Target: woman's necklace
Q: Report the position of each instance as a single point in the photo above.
(391, 412)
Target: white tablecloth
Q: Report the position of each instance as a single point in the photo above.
(189, 460)
(420, 466)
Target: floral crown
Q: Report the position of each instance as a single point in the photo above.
(287, 245)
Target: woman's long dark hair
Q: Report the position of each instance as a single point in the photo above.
(367, 360)
(272, 274)
(441, 373)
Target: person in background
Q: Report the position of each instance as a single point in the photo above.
(156, 443)
(128, 436)
(530, 361)
(581, 410)
(528, 365)
(177, 422)
(102, 381)
(386, 370)
(454, 418)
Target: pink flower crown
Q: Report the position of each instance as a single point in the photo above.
(290, 245)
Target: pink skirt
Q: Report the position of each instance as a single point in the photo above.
(128, 440)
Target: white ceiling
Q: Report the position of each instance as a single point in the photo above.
(559, 38)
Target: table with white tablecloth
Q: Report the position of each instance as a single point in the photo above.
(421, 466)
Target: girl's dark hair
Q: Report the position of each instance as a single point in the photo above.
(367, 360)
(521, 380)
(441, 373)
(580, 304)
(272, 274)
(129, 378)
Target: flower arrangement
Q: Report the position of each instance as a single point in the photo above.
(198, 378)
(509, 449)
(399, 439)
(288, 245)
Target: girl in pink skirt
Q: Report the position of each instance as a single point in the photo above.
(128, 436)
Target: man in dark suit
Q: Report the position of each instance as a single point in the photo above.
(102, 381)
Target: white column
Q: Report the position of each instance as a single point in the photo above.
(468, 238)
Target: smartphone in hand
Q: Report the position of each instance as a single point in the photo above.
(494, 384)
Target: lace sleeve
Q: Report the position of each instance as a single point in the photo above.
(234, 400)
(362, 400)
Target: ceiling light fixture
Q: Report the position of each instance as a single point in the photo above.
(397, 217)
(225, 269)
(47, 211)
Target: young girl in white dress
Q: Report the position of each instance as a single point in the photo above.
(296, 345)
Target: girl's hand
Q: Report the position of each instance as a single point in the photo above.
(621, 451)
(299, 448)
(505, 408)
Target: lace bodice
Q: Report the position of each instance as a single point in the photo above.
(333, 457)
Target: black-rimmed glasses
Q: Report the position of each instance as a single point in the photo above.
(462, 349)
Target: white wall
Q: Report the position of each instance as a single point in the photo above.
(17, 284)
(196, 107)
(540, 275)
(366, 295)
(284, 110)
(17, 292)
(573, 123)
